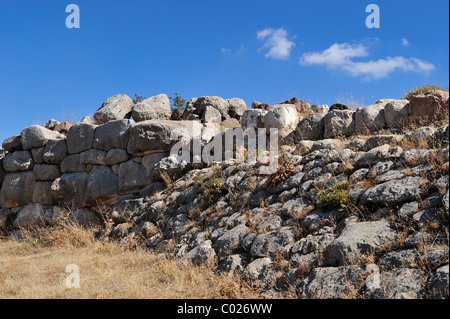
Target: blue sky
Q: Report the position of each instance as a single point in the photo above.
(261, 50)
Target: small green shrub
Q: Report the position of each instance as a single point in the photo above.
(334, 199)
(421, 90)
(138, 98)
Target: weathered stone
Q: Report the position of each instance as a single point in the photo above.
(55, 151)
(63, 127)
(403, 258)
(116, 156)
(154, 108)
(169, 165)
(18, 162)
(211, 115)
(46, 172)
(377, 154)
(37, 136)
(38, 154)
(70, 189)
(132, 177)
(117, 107)
(236, 108)
(72, 164)
(332, 283)
(102, 186)
(42, 193)
(113, 134)
(32, 215)
(84, 217)
(320, 108)
(284, 117)
(295, 207)
(202, 254)
(157, 136)
(80, 138)
(428, 106)
(394, 192)
(17, 189)
(253, 118)
(13, 143)
(230, 240)
(403, 283)
(379, 140)
(438, 283)
(396, 113)
(93, 157)
(260, 272)
(195, 107)
(273, 243)
(369, 119)
(311, 128)
(359, 239)
(338, 123)
(234, 264)
(51, 124)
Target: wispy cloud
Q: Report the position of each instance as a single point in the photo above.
(342, 56)
(405, 42)
(277, 43)
(225, 50)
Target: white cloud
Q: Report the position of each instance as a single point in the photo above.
(336, 55)
(342, 56)
(225, 50)
(405, 42)
(277, 43)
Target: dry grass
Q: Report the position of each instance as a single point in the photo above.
(36, 268)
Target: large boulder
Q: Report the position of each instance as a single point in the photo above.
(80, 137)
(42, 193)
(339, 123)
(37, 136)
(102, 186)
(199, 108)
(236, 108)
(18, 162)
(13, 143)
(113, 134)
(70, 189)
(55, 151)
(359, 239)
(132, 177)
(369, 119)
(396, 113)
(17, 189)
(154, 108)
(30, 216)
(273, 243)
(396, 191)
(115, 108)
(332, 283)
(310, 128)
(157, 136)
(196, 107)
(229, 242)
(253, 118)
(428, 106)
(284, 117)
(46, 172)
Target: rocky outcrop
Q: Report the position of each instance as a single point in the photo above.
(360, 217)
